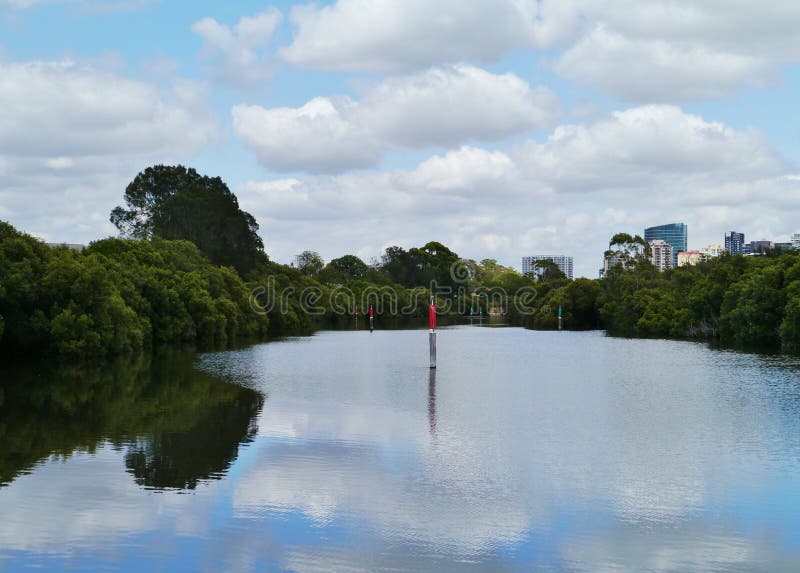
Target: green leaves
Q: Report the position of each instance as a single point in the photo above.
(117, 297)
(344, 270)
(176, 203)
(309, 263)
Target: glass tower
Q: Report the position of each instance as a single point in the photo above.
(674, 234)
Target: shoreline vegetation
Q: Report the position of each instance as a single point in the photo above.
(748, 303)
(184, 272)
(188, 262)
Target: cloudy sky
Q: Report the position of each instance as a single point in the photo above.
(500, 127)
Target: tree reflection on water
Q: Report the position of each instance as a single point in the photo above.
(178, 426)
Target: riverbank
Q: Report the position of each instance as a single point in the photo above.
(748, 303)
(126, 296)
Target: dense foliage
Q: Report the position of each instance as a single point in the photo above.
(117, 296)
(745, 302)
(120, 296)
(173, 202)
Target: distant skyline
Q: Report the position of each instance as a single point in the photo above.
(499, 128)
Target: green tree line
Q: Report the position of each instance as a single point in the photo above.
(738, 301)
(182, 273)
(188, 260)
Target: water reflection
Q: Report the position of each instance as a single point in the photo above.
(432, 402)
(521, 451)
(177, 425)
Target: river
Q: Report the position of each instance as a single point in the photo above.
(343, 451)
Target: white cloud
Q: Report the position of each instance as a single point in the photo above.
(237, 54)
(467, 170)
(631, 169)
(448, 105)
(62, 108)
(317, 136)
(767, 29)
(637, 50)
(659, 70)
(647, 146)
(439, 107)
(395, 35)
(72, 137)
(664, 50)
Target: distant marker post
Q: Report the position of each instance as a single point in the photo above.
(559, 317)
(432, 333)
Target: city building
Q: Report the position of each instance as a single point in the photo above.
(796, 241)
(686, 258)
(734, 242)
(562, 261)
(674, 234)
(661, 254)
(757, 247)
(713, 251)
(783, 247)
(611, 262)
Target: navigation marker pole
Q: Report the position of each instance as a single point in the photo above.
(432, 333)
(559, 317)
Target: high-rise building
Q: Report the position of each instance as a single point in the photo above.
(734, 242)
(562, 261)
(661, 254)
(610, 262)
(796, 242)
(674, 234)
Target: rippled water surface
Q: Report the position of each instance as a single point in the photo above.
(344, 452)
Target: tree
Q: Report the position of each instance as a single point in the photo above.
(433, 262)
(752, 310)
(626, 249)
(177, 203)
(309, 263)
(396, 264)
(548, 271)
(490, 272)
(345, 269)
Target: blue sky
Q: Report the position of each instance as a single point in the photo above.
(499, 128)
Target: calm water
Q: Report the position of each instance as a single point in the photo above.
(343, 452)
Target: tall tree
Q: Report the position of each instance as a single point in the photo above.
(547, 271)
(345, 269)
(174, 202)
(309, 263)
(397, 265)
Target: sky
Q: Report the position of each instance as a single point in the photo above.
(501, 128)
